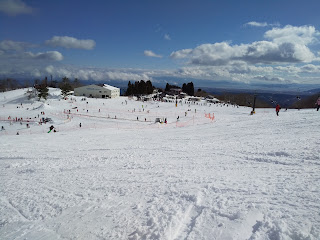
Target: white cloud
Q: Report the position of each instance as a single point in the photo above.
(167, 37)
(270, 79)
(286, 45)
(49, 69)
(310, 68)
(256, 24)
(184, 53)
(8, 45)
(51, 56)
(96, 74)
(261, 24)
(70, 42)
(302, 35)
(14, 7)
(149, 53)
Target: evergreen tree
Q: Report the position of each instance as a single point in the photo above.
(184, 88)
(139, 87)
(190, 89)
(65, 87)
(149, 87)
(42, 89)
(129, 89)
(76, 83)
(167, 89)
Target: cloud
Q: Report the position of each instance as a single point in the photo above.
(270, 79)
(70, 42)
(149, 53)
(260, 24)
(97, 74)
(14, 7)
(308, 68)
(51, 56)
(256, 24)
(11, 50)
(8, 45)
(167, 37)
(184, 53)
(302, 35)
(286, 45)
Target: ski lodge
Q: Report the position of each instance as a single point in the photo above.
(95, 91)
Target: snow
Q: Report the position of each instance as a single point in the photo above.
(112, 88)
(239, 176)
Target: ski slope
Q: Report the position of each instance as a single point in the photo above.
(239, 176)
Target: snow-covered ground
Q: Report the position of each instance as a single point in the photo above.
(239, 176)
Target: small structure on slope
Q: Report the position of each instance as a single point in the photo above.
(105, 91)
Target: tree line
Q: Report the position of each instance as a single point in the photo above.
(40, 87)
(139, 87)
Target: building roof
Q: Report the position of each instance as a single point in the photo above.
(110, 87)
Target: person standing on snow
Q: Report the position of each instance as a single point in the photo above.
(318, 103)
(278, 109)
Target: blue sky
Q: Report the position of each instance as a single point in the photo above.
(241, 41)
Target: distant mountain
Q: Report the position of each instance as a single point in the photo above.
(264, 98)
(307, 101)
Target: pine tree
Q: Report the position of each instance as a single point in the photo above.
(65, 87)
(129, 89)
(167, 89)
(149, 87)
(42, 89)
(190, 89)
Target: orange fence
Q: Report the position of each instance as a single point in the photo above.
(112, 123)
(209, 116)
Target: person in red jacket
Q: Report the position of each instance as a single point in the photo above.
(278, 109)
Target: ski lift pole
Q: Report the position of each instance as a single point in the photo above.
(254, 102)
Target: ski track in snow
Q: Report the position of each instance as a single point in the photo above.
(238, 177)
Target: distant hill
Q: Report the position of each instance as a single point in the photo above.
(267, 99)
(306, 102)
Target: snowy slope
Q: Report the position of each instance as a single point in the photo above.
(236, 177)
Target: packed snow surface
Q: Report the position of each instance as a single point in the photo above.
(123, 176)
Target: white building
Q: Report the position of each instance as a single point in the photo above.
(95, 91)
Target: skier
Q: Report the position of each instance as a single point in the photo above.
(318, 103)
(80, 125)
(278, 109)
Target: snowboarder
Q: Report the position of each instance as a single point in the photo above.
(51, 128)
(278, 109)
(2, 128)
(318, 103)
